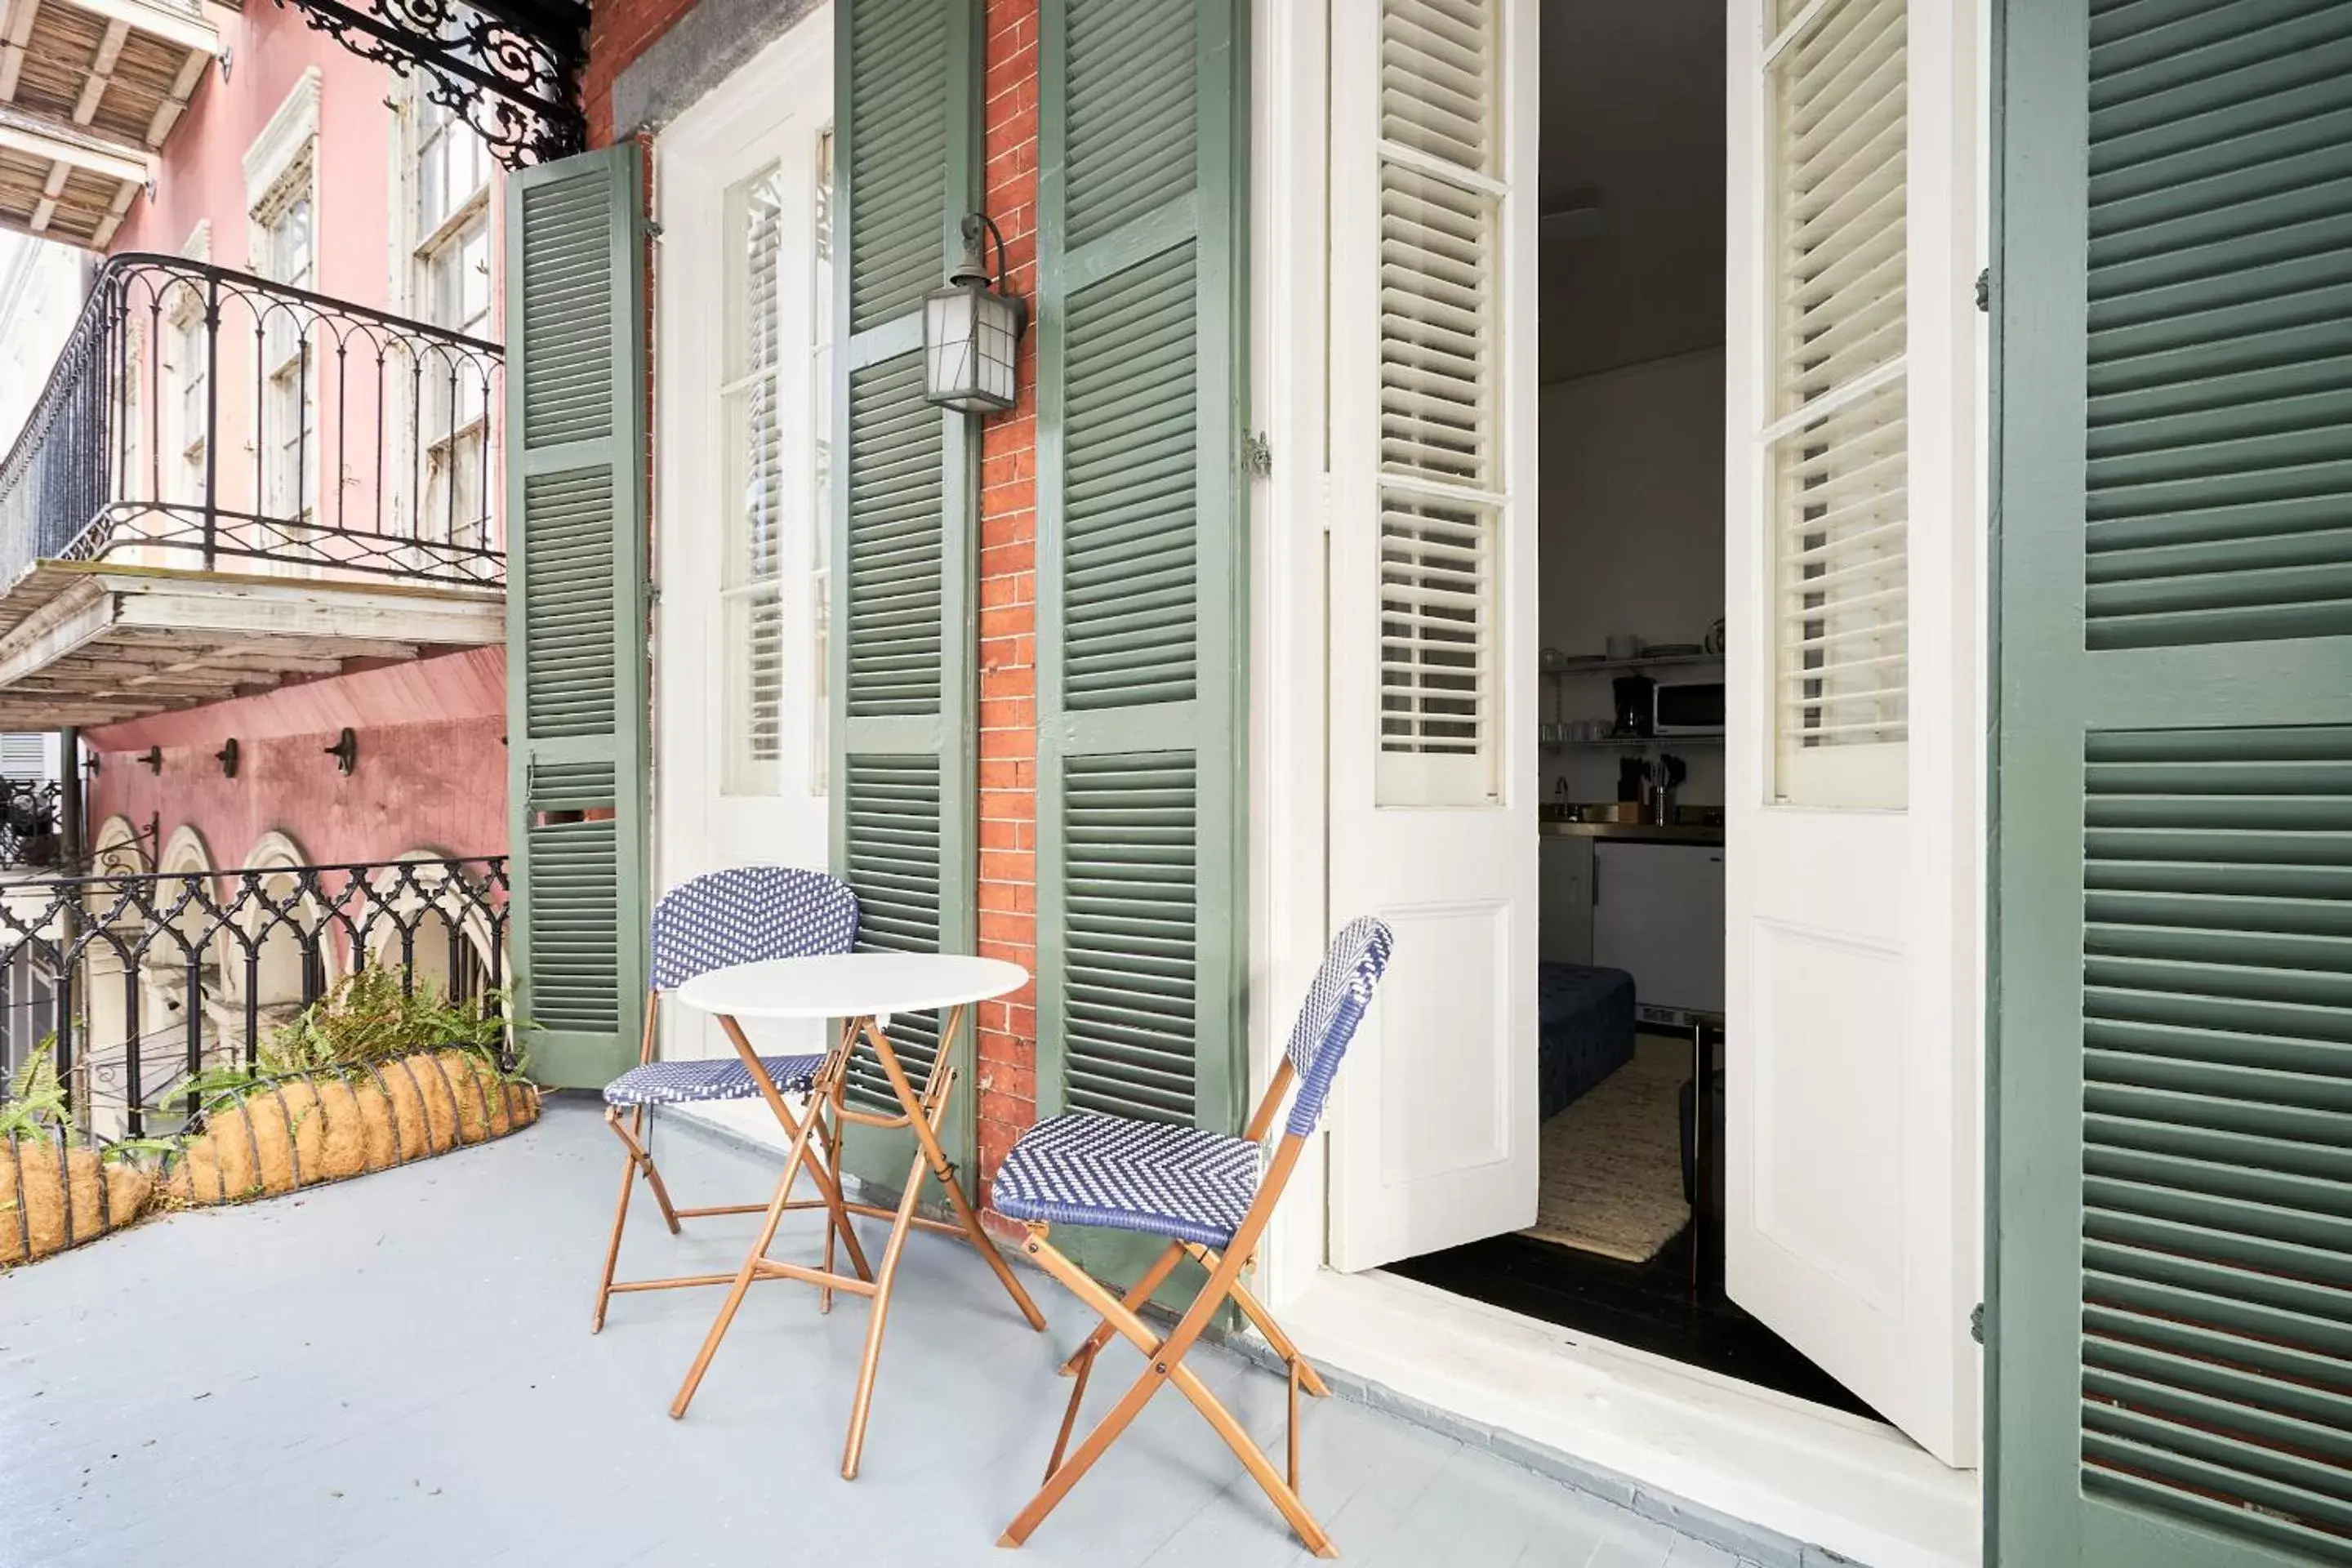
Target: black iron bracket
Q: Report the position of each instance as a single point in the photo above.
(510, 68)
(345, 751)
(227, 757)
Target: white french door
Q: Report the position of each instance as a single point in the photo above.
(1431, 610)
(1852, 969)
(743, 292)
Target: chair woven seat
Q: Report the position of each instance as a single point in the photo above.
(1086, 1168)
(705, 1081)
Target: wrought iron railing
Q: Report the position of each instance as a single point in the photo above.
(29, 822)
(200, 417)
(149, 979)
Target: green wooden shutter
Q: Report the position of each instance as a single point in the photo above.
(576, 723)
(902, 649)
(1143, 659)
(2171, 1317)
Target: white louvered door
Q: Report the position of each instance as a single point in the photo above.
(1852, 899)
(1431, 610)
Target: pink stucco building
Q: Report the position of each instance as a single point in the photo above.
(305, 164)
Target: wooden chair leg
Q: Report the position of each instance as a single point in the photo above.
(744, 1275)
(1137, 1295)
(1263, 1321)
(818, 1105)
(612, 1247)
(1157, 1373)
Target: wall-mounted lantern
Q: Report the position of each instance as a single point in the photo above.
(971, 330)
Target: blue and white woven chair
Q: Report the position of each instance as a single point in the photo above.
(1210, 1195)
(737, 916)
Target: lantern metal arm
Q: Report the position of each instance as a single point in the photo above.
(974, 266)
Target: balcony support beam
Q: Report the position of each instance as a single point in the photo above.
(96, 644)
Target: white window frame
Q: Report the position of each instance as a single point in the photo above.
(422, 244)
(185, 365)
(771, 111)
(281, 173)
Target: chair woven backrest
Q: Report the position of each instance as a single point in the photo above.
(745, 914)
(1335, 1004)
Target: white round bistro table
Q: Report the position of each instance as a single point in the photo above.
(864, 990)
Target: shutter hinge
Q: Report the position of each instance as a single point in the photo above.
(650, 227)
(1984, 289)
(1976, 1323)
(1257, 457)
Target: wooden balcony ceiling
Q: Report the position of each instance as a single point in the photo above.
(84, 643)
(88, 89)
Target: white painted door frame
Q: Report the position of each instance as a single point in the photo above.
(769, 112)
(1854, 945)
(1813, 1473)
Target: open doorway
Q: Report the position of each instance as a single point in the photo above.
(1627, 1240)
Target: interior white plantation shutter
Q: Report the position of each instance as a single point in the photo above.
(752, 402)
(1837, 511)
(1440, 492)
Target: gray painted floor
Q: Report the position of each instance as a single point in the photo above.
(398, 1370)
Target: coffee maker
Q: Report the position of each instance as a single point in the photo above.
(1635, 713)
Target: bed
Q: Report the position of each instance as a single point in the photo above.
(1585, 1031)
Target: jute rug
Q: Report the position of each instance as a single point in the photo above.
(1612, 1161)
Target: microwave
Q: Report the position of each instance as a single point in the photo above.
(1686, 708)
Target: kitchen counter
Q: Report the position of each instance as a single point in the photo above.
(1636, 832)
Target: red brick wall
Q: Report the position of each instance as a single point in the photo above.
(1006, 1090)
(618, 32)
(1007, 1076)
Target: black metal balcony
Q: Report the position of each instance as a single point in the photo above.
(201, 418)
(138, 981)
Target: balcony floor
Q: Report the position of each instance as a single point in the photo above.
(398, 1370)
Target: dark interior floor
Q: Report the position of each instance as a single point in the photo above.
(1648, 1306)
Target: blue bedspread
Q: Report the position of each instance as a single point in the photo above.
(1586, 1026)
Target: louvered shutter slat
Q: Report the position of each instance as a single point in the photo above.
(902, 661)
(576, 676)
(1138, 614)
(1837, 266)
(1440, 384)
(2177, 596)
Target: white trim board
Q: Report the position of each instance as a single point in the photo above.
(1856, 1487)
(289, 135)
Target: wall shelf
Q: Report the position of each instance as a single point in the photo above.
(1630, 742)
(1597, 666)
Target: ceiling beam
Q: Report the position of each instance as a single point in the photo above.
(13, 36)
(193, 32)
(20, 132)
(101, 71)
(176, 102)
(51, 189)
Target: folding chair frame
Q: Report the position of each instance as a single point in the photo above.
(923, 1112)
(639, 1164)
(1165, 1355)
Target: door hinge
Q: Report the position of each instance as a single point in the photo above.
(1984, 289)
(1257, 457)
(1976, 1323)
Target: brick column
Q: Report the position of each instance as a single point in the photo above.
(1006, 1101)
